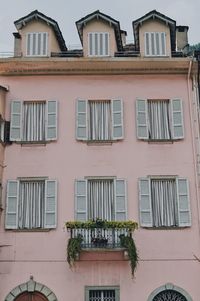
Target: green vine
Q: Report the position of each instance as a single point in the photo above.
(128, 243)
(73, 248)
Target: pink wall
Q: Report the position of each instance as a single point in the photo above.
(166, 255)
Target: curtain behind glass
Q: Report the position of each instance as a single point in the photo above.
(99, 120)
(164, 202)
(34, 121)
(101, 199)
(31, 204)
(159, 119)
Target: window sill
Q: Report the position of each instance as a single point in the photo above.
(161, 141)
(31, 143)
(100, 142)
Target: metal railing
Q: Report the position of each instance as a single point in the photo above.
(100, 238)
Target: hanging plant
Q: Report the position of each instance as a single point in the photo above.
(73, 249)
(128, 243)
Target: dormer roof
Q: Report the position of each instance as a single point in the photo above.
(155, 15)
(36, 15)
(97, 15)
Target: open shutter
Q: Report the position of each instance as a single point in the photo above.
(81, 119)
(142, 119)
(51, 120)
(81, 200)
(16, 120)
(117, 119)
(12, 205)
(50, 217)
(120, 200)
(145, 203)
(184, 215)
(177, 119)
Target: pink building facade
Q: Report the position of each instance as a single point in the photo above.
(109, 132)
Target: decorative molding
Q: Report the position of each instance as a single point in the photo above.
(172, 287)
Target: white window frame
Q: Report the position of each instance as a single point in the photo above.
(147, 35)
(102, 288)
(30, 34)
(92, 47)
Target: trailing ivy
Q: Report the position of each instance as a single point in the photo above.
(73, 249)
(128, 243)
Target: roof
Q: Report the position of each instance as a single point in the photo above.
(100, 16)
(155, 15)
(39, 16)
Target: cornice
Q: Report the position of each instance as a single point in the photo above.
(85, 66)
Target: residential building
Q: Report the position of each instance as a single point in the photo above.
(107, 132)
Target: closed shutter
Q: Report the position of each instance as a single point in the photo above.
(81, 120)
(177, 119)
(81, 200)
(12, 205)
(51, 122)
(184, 214)
(16, 120)
(145, 203)
(120, 200)
(142, 119)
(117, 119)
(50, 216)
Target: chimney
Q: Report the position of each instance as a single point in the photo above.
(17, 44)
(182, 38)
(123, 37)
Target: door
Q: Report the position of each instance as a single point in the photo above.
(35, 296)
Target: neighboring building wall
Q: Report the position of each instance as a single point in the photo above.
(166, 255)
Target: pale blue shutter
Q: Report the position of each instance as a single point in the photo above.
(81, 200)
(51, 120)
(177, 119)
(28, 43)
(120, 200)
(117, 119)
(50, 216)
(16, 120)
(184, 215)
(12, 205)
(81, 120)
(142, 119)
(145, 203)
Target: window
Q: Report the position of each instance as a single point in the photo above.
(102, 294)
(33, 121)
(98, 44)
(164, 202)
(4, 130)
(37, 44)
(159, 119)
(155, 43)
(31, 204)
(100, 198)
(99, 120)
(169, 295)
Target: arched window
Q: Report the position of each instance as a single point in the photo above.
(169, 292)
(35, 296)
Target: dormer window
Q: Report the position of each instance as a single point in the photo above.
(155, 44)
(37, 44)
(98, 44)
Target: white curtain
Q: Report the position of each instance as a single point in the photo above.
(159, 119)
(34, 121)
(101, 199)
(164, 202)
(31, 204)
(99, 120)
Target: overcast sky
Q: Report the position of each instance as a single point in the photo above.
(66, 13)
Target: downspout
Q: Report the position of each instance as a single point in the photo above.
(195, 137)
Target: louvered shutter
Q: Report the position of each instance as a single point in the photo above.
(142, 119)
(117, 119)
(50, 216)
(184, 214)
(16, 120)
(51, 120)
(120, 200)
(81, 120)
(177, 119)
(12, 205)
(145, 203)
(81, 200)
(7, 131)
